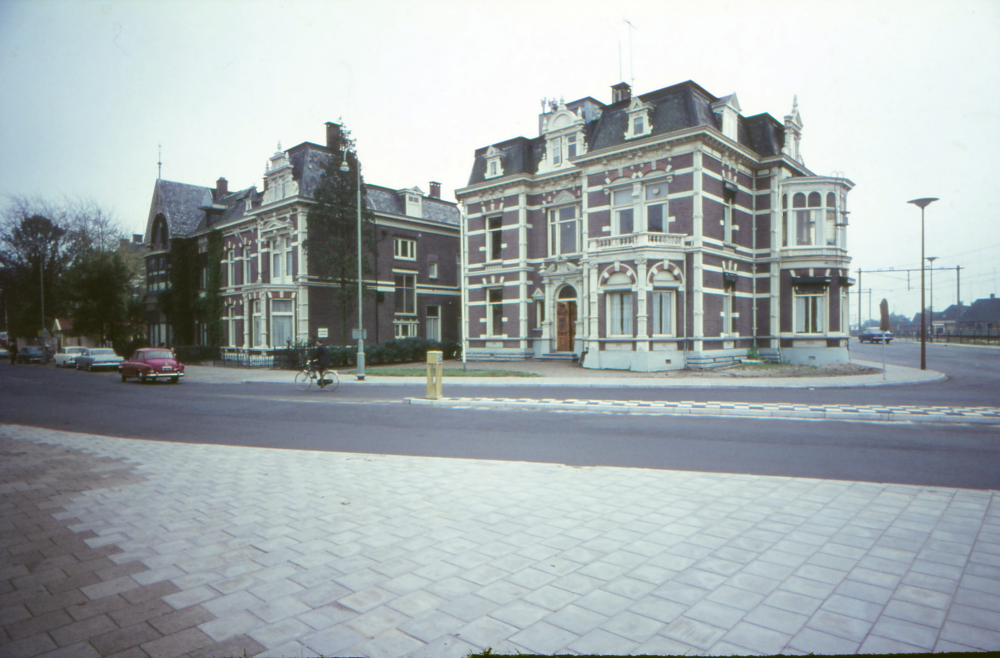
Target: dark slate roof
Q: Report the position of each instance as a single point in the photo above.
(679, 107)
(181, 205)
(983, 310)
(385, 200)
(308, 161)
(235, 206)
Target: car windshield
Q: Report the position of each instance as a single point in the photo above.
(31, 349)
(75, 350)
(102, 352)
(160, 354)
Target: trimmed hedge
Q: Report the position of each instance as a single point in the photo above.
(196, 353)
(400, 350)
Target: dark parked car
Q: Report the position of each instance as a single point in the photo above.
(150, 364)
(875, 337)
(32, 354)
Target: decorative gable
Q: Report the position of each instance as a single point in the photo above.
(494, 168)
(278, 180)
(563, 132)
(727, 110)
(638, 119)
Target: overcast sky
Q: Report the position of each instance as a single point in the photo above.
(902, 97)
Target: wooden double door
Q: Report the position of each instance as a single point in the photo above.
(565, 325)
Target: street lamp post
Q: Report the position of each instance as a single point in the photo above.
(922, 203)
(931, 260)
(361, 341)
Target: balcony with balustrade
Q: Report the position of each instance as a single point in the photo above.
(632, 241)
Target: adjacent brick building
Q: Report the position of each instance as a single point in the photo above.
(269, 295)
(652, 233)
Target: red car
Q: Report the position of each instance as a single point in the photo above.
(150, 364)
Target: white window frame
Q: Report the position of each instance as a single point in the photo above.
(555, 230)
(405, 302)
(404, 328)
(288, 315)
(539, 313)
(661, 201)
(618, 302)
(661, 300)
(809, 313)
(494, 238)
(494, 312)
(404, 248)
(432, 323)
(729, 314)
(617, 209)
(432, 270)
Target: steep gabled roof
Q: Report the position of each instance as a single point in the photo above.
(983, 310)
(181, 204)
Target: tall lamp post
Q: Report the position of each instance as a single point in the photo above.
(361, 341)
(922, 203)
(931, 260)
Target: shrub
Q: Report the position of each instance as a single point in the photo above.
(196, 353)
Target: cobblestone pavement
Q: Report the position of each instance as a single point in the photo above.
(134, 548)
(894, 413)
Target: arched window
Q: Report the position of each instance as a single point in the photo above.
(784, 220)
(619, 304)
(799, 200)
(568, 292)
(815, 200)
(831, 200)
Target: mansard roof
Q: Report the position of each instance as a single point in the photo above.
(679, 107)
(389, 201)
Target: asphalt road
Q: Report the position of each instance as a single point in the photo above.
(373, 420)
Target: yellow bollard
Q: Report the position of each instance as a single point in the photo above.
(434, 367)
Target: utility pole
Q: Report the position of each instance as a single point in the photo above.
(859, 301)
(869, 303)
(958, 285)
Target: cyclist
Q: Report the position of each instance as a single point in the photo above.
(321, 361)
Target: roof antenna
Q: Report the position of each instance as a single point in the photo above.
(630, 65)
(159, 157)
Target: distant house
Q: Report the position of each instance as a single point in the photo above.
(981, 317)
(62, 332)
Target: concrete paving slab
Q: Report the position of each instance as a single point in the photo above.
(659, 560)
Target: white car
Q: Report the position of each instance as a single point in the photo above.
(95, 358)
(67, 358)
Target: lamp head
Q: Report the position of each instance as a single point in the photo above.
(923, 203)
(343, 165)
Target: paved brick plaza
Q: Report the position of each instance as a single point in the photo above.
(138, 548)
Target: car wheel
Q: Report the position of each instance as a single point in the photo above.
(124, 378)
(78, 366)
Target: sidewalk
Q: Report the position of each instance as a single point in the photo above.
(564, 374)
(150, 549)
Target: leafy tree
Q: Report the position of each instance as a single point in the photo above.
(33, 254)
(332, 244)
(100, 293)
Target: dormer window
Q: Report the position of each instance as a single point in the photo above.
(413, 202)
(638, 119)
(727, 112)
(494, 167)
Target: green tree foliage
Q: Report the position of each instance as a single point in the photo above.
(65, 236)
(180, 301)
(33, 254)
(212, 305)
(99, 289)
(332, 244)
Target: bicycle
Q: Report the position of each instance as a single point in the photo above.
(309, 376)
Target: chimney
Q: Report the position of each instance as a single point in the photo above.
(137, 238)
(621, 92)
(221, 188)
(333, 136)
(435, 190)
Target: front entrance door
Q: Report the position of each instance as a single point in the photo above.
(565, 326)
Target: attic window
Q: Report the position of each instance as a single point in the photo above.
(638, 126)
(638, 123)
(493, 166)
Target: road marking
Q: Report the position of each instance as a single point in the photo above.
(853, 412)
